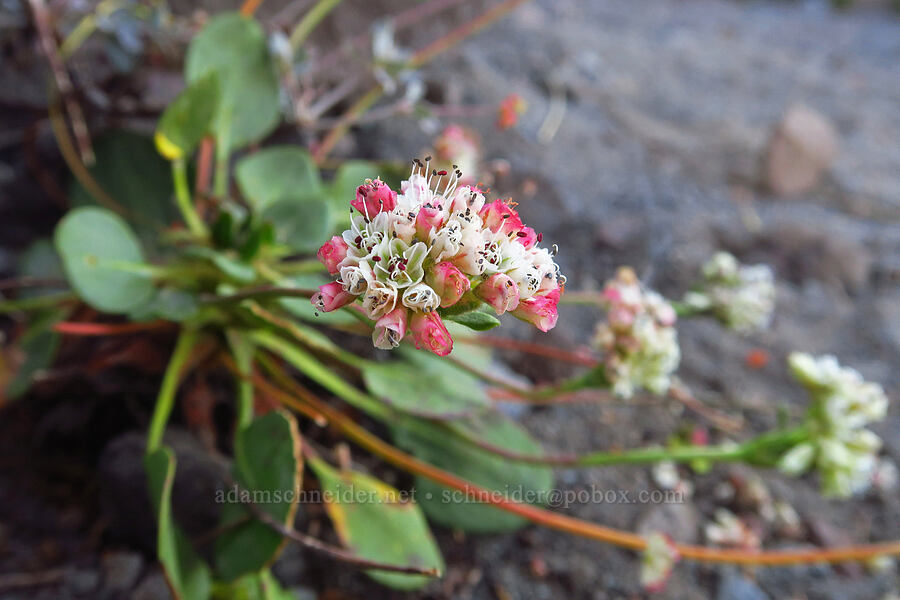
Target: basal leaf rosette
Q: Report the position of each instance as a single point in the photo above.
(436, 246)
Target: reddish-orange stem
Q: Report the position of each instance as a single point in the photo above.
(249, 7)
(312, 405)
(98, 329)
(577, 358)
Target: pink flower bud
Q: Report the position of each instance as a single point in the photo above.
(374, 197)
(540, 311)
(620, 318)
(500, 216)
(449, 283)
(527, 237)
(331, 296)
(428, 331)
(500, 291)
(390, 329)
(427, 220)
(332, 253)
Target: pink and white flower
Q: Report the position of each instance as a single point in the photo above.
(540, 311)
(500, 291)
(390, 329)
(373, 197)
(638, 337)
(448, 282)
(332, 254)
(428, 247)
(331, 296)
(430, 333)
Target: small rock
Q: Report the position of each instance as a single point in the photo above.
(680, 521)
(82, 581)
(801, 148)
(152, 587)
(734, 586)
(121, 570)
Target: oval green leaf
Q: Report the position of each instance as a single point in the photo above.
(234, 47)
(97, 250)
(300, 223)
(425, 386)
(187, 119)
(476, 320)
(268, 469)
(375, 521)
(188, 576)
(276, 173)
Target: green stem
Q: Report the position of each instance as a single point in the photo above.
(262, 293)
(315, 370)
(165, 401)
(183, 199)
(309, 21)
(36, 303)
(242, 351)
(300, 267)
(724, 453)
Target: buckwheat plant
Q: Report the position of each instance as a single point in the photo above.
(638, 338)
(225, 275)
(742, 297)
(436, 245)
(840, 447)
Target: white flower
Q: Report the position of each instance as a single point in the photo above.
(638, 338)
(380, 299)
(728, 530)
(657, 561)
(842, 450)
(421, 297)
(741, 296)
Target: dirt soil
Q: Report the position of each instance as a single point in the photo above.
(656, 163)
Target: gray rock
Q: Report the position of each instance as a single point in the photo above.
(153, 587)
(121, 570)
(680, 521)
(734, 586)
(802, 147)
(81, 581)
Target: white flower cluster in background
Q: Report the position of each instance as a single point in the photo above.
(841, 448)
(638, 337)
(740, 296)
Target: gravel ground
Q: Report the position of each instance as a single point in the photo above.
(656, 163)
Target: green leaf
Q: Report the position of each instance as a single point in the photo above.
(477, 320)
(256, 586)
(267, 465)
(39, 343)
(276, 173)
(425, 386)
(40, 260)
(520, 481)
(374, 520)
(231, 266)
(170, 304)
(187, 574)
(300, 223)
(234, 48)
(130, 170)
(96, 245)
(349, 176)
(187, 119)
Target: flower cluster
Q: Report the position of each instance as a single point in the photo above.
(741, 296)
(460, 145)
(430, 247)
(657, 561)
(840, 447)
(638, 337)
